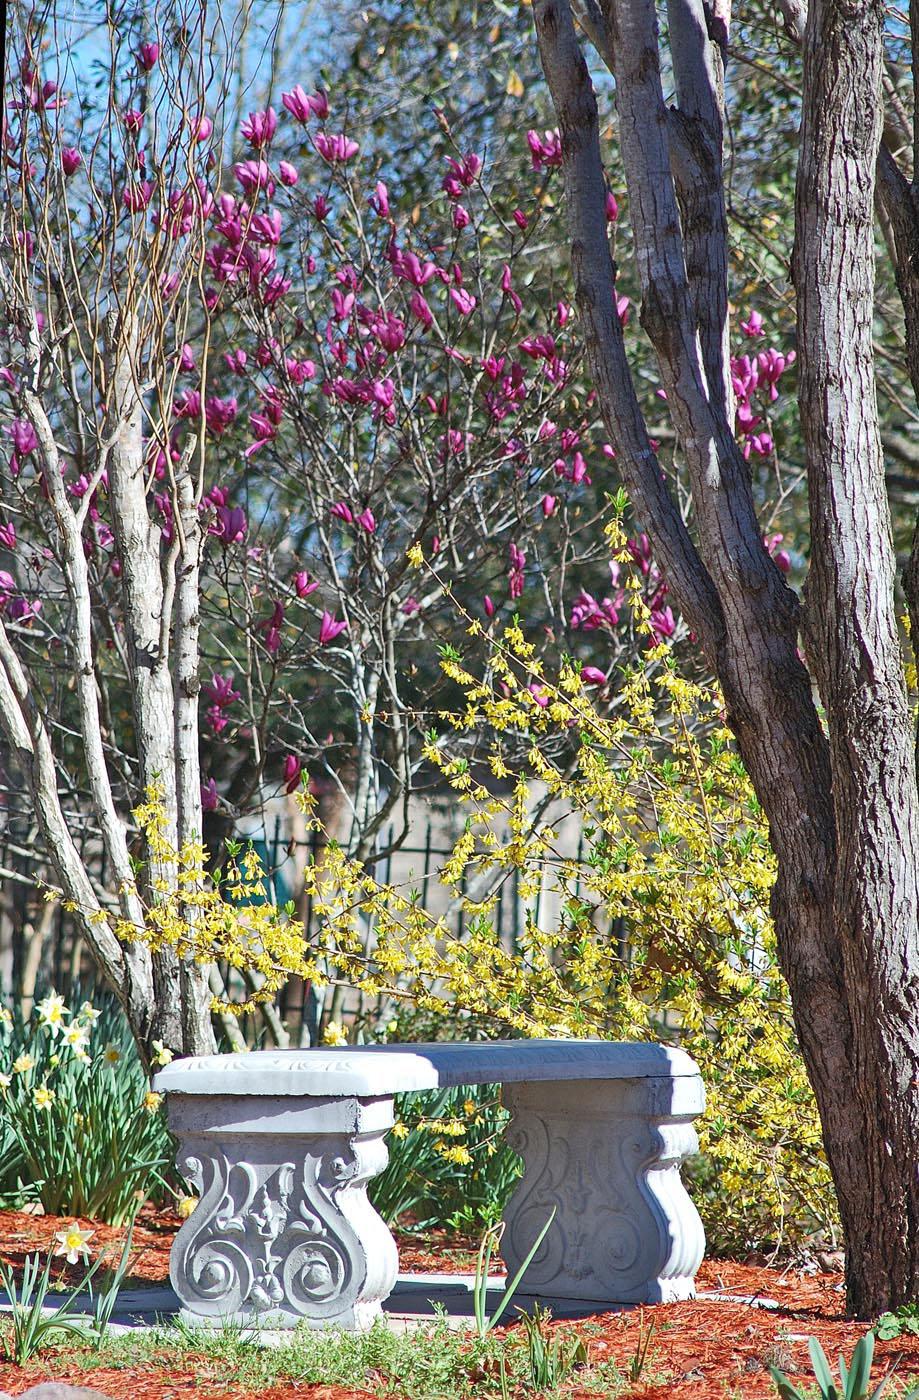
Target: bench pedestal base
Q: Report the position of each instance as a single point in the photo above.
(283, 1232)
(606, 1155)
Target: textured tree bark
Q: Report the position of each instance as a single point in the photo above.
(181, 991)
(197, 1035)
(852, 639)
(746, 619)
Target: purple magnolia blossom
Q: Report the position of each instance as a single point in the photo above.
(136, 197)
(71, 160)
(463, 301)
(297, 104)
(254, 175)
(545, 150)
(335, 149)
(463, 173)
(231, 525)
(409, 267)
(147, 56)
(8, 535)
(219, 690)
(260, 128)
(588, 613)
(219, 414)
(21, 609)
(236, 361)
(663, 624)
(330, 628)
(781, 556)
(209, 796)
(23, 434)
(293, 768)
(592, 675)
(304, 585)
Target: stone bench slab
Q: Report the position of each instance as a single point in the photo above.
(370, 1070)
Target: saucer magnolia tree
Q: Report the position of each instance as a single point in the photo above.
(839, 788)
(235, 403)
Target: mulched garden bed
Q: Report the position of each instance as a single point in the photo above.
(708, 1349)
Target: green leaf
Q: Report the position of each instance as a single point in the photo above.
(859, 1375)
(784, 1385)
(822, 1370)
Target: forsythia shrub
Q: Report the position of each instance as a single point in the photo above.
(675, 845)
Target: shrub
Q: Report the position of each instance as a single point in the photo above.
(448, 1162)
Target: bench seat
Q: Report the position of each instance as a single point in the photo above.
(281, 1144)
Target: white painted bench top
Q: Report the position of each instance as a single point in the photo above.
(371, 1070)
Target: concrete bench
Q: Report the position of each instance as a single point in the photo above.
(280, 1145)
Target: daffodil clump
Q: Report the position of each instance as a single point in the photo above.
(80, 1130)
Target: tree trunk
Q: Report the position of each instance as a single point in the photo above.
(853, 644)
(844, 904)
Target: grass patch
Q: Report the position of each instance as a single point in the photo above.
(434, 1362)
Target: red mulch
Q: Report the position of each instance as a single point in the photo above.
(701, 1350)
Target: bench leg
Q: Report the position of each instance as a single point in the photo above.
(283, 1231)
(606, 1154)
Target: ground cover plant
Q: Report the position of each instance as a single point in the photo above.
(706, 1350)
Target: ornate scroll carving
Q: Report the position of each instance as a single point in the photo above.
(606, 1156)
(283, 1230)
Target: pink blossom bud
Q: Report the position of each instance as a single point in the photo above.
(549, 505)
(367, 521)
(319, 104)
(330, 628)
(297, 103)
(612, 208)
(292, 770)
(71, 160)
(289, 173)
(147, 56)
(592, 675)
(305, 585)
(463, 301)
(489, 606)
